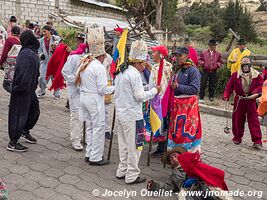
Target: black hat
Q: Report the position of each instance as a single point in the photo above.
(213, 42)
(13, 19)
(15, 30)
(48, 28)
(182, 50)
(81, 35)
(242, 41)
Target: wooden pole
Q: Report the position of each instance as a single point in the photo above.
(150, 148)
(112, 133)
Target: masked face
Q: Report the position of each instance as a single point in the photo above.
(245, 68)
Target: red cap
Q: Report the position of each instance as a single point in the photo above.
(119, 29)
(162, 49)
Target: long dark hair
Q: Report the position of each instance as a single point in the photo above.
(28, 40)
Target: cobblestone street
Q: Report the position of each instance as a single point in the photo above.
(52, 170)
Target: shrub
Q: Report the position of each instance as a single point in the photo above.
(198, 33)
(69, 36)
(223, 75)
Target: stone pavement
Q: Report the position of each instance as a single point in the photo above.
(52, 170)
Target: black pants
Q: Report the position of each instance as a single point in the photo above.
(205, 78)
(23, 114)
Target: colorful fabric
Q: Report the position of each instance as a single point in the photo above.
(157, 136)
(236, 56)
(55, 65)
(80, 50)
(185, 125)
(3, 191)
(262, 109)
(195, 168)
(156, 110)
(119, 53)
(139, 134)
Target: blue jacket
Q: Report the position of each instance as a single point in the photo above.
(188, 81)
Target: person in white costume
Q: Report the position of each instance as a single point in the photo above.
(92, 79)
(129, 97)
(108, 98)
(69, 72)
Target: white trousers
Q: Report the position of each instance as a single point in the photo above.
(95, 126)
(76, 129)
(107, 117)
(129, 155)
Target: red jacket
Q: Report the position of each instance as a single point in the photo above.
(235, 84)
(8, 45)
(210, 62)
(193, 55)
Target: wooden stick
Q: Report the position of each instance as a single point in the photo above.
(150, 148)
(84, 132)
(112, 133)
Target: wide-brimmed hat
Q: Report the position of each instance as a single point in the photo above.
(165, 157)
(138, 52)
(96, 41)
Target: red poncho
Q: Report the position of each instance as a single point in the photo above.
(193, 167)
(55, 65)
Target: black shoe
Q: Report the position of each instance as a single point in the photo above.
(16, 147)
(120, 178)
(107, 135)
(28, 138)
(157, 153)
(99, 163)
(140, 179)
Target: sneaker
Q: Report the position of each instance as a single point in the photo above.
(107, 135)
(39, 95)
(77, 147)
(211, 99)
(100, 163)
(56, 97)
(201, 101)
(28, 138)
(16, 147)
(257, 146)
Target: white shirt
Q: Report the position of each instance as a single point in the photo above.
(130, 95)
(94, 79)
(70, 68)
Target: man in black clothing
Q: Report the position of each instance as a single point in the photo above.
(24, 105)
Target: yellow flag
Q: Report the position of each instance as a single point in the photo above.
(121, 46)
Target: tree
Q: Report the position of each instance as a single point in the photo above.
(170, 19)
(239, 19)
(262, 7)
